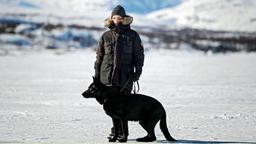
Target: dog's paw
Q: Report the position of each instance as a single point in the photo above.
(122, 140)
(146, 139)
(112, 139)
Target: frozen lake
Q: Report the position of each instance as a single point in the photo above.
(208, 98)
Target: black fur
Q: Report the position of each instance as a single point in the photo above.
(134, 107)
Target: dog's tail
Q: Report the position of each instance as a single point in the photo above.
(163, 127)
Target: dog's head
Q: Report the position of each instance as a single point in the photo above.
(94, 91)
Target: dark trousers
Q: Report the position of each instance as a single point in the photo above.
(118, 122)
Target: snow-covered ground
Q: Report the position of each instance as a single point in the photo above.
(208, 98)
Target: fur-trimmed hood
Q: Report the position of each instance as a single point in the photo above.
(127, 20)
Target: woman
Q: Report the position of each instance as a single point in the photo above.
(120, 54)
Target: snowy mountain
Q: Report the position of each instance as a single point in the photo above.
(83, 12)
(218, 25)
(43, 10)
(85, 7)
(228, 15)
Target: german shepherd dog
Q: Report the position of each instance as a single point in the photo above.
(133, 107)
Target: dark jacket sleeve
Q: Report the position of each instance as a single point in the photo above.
(99, 57)
(138, 55)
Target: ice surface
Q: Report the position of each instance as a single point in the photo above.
(208, 98)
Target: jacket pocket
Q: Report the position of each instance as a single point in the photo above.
(106, 73)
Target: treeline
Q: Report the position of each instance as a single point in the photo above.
(205, 40)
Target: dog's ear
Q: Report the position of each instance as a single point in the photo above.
(93, 79)
(96, 80)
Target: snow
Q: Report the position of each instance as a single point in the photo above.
(208, 98)
(228, 15)
(14, 39)
(132, 6)
(82, 37)
(53, 11)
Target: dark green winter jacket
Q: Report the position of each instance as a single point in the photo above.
(120, 54)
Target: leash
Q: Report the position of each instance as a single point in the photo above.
(126, 83)
(134, 85)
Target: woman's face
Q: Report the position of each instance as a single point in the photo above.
(117, 19)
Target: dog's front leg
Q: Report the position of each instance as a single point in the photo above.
(124, 128)
(116, 123)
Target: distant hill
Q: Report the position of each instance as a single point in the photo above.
(228, 15)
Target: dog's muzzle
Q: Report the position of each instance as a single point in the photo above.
(85, 94)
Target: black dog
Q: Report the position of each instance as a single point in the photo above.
(134, 107)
